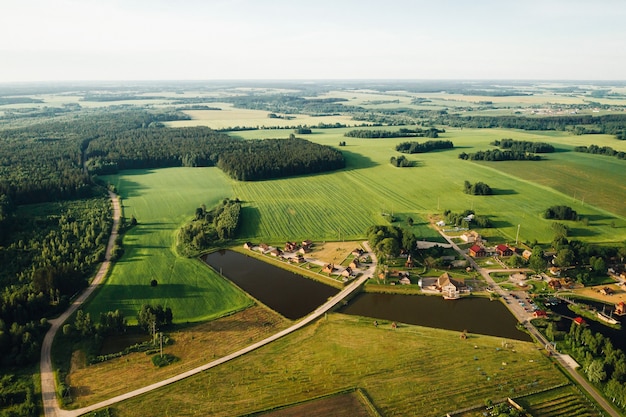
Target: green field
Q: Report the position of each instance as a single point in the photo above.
(347, 202)
(342, 205)
(407, 371)
(161, 201)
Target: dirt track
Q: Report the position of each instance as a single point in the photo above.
(48, 388)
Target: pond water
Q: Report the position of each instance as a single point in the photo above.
(295, 296)
(618, 337)
(288, 293)
(474, 314)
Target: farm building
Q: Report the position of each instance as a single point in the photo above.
(504, 250)
(328, 268)
(477, 251)
(248, 245)
(291, 247)
(526, 254)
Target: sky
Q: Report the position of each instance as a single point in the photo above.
(65, 40)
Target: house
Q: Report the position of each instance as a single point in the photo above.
(299, 258)
(248, 246)
(606, 291)
(409, 262)
(276, 252)
(450, 287)
(470, 237)
(304, 250)
(477, 251)
(526, 254)
(555, 271)
(291, 247)
(579, 320)
(503, 250)
(354, 264)
(357, 252)
(440, 223)
(307, 245)
(347, 272)
(620, 309)
(555, 284)
(405, 281)
(328, 268)
(539, 314)
(263, 247)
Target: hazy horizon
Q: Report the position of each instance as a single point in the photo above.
(116, 40)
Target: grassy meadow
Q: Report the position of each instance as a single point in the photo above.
(405, 371)
(162, 200)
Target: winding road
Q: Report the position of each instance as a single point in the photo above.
(48, 386)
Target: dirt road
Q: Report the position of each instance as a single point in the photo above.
(48, 387)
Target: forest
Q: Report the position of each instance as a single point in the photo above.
(597, 150)
(400, 133)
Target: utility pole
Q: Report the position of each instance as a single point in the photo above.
(517, 235)
(161, 337)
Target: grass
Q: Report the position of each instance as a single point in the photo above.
(162, 200)
(194, 345)
(403, 371)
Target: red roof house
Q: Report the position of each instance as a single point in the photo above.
(477, 251)
(503, 250)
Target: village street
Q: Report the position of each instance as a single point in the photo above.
(523, 316)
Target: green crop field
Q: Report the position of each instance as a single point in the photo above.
(406, 371)
(161, 201)
(347, 202)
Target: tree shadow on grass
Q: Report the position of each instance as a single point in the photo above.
(503, 191)
(581, 232)
(357, 161)
(251, 219)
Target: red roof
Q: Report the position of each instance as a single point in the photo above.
(540, 313)
(579, 320)
(476, 249)
(502, 248)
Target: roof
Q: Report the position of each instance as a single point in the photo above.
(502, 248)
(579, 320)
(445, 279)
(476, 248)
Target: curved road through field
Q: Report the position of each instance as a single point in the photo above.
(52, 408)
(524, 318)
(48, 389)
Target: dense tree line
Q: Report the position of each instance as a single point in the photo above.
(479, 188)
(524, 146)
(401, 133)
(604, 150)
(465, 219)
(209, 228)
(560, 213)
(499, 155)
(430, 145)
(602, 363)
(293, 104)
(612, 124)
(275, 158)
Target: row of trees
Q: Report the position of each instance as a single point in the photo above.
(499, 155)
(400, 133)
(612, 124)
(430, 145)
(465, 219)
(524, 146)
(604, 150)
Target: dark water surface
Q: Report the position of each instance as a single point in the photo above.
(476, 315)
(289, 294)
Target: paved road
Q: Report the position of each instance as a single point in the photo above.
(48, 388)
(349, 289)
(524, 317)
